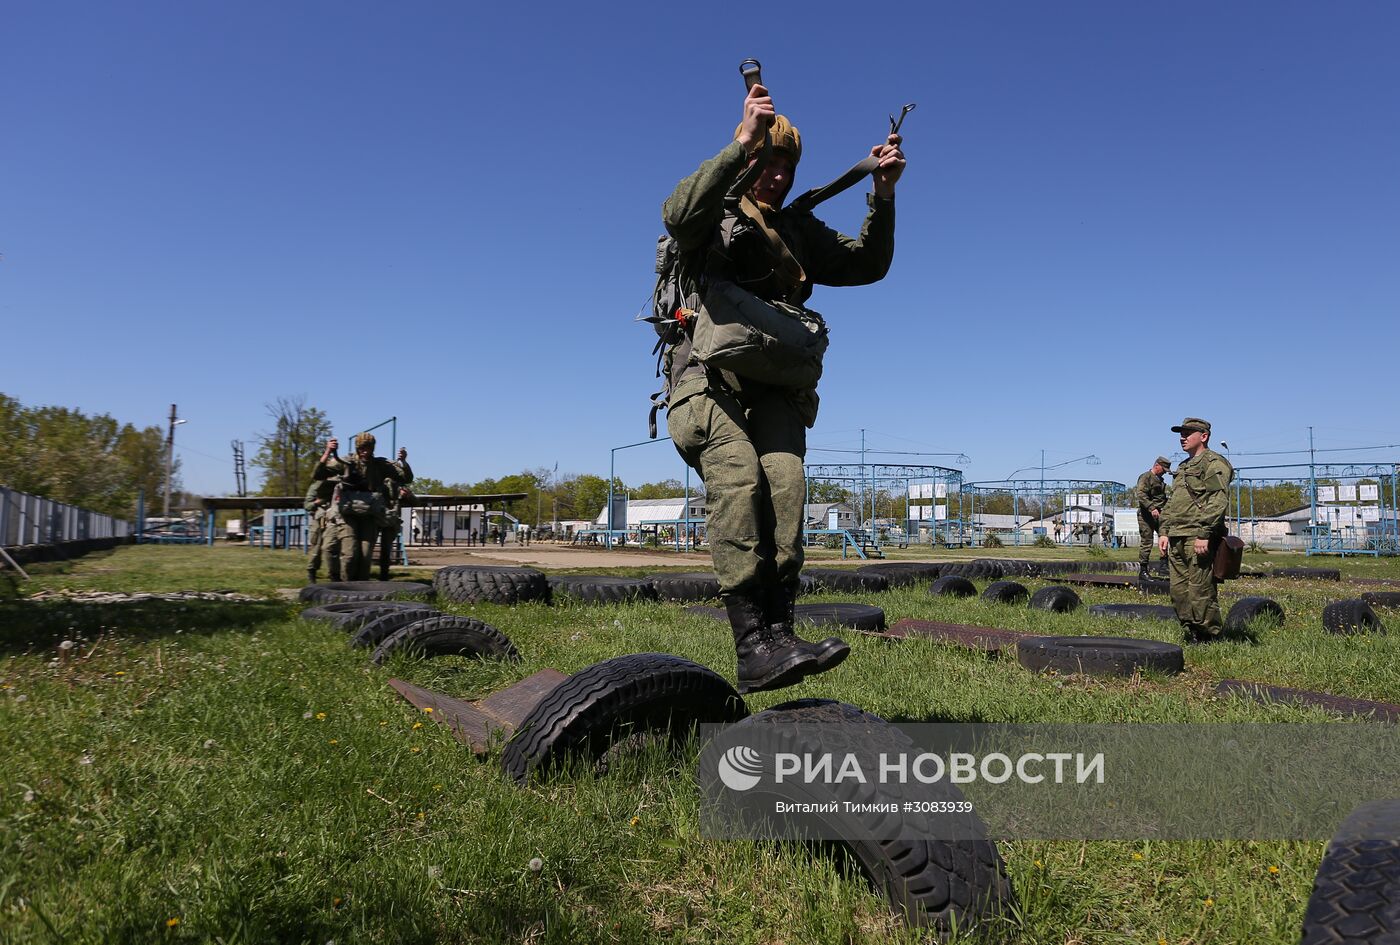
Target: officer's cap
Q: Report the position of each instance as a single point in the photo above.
(1164, 463)
(1193, 425)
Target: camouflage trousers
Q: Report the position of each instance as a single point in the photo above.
(749, 455)
(1194, 588)
(387, 537)
(1147, 536)
(322, 543)
(356, 539)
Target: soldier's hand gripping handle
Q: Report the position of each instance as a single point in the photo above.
(758, 115)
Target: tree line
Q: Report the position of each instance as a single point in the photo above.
(94, 462)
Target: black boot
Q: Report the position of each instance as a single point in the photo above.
(335, 570)
(780, 615)
(310, 575)
(765, 661)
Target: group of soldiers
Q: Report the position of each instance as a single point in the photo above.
(1186, 524)
(353, 504)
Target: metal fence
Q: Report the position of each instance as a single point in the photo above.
(33, 520)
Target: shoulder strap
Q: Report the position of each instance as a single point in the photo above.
(825, 192)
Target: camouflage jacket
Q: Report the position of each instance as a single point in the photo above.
(377, 475)
(1151, 492)
(318, 497)
(695, 209)
(1200, 497)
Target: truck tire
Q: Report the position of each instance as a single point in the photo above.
(373, 632)
(952, 585)
(1351, 616)
(1308, 574)
(333, 592)
(1006, 592)
(447, 635)
(846, 582)
(1100, 656)
(1134, 611)
(351, 615)
(1250, 610)
(490, 584)
(902, 573)
(1382, 598)
(599, 588)
(685, 587)
(1356, 893)
(1056, 598)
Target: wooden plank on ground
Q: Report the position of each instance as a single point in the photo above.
(476, 724)
(1342, 705)
(987, 639)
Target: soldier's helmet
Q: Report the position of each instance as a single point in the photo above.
(363, 440)
(786, 137)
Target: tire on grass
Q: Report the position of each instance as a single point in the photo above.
(1056, 598)
(928, 881)
(1251, 610)
(685, 587)
(490, 584)
(587, 712)
(1311, 574)
(1100, 656)
(846, 582)
(952, 585)
(1133, 611)
(1356, 893)
(856, 616)
(903, 573)
(1351, 616)
(351, 615)
(333, 592)
(600, 588)
(1006, 592)
(1382, 598)
(447, 635)
(373, 632)
(1151, 585)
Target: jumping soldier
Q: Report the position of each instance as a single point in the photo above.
(1192, 522)
(1151, 497)
(324, 536)
(747, 438)
(362, 502)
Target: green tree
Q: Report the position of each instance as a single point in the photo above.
(828, 492)
(288, 453)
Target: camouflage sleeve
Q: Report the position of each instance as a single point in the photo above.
(693, 211)
(327, 470)
(1144, 489)
(1208, 492)
(312, 500)
(832, 258)
(404, 471)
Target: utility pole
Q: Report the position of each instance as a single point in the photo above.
(170, 456)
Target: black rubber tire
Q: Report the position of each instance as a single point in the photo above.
(855, 616)
(846, 582)
(1100, 656)
(1016, 567)
(491, 584)
(599, 588)
(1252, 610)
(1351, 616)
(585, 713)
(952, 585)
(1056, 598)
(685, 587)
(1006, 592)
(373, 632)
(990, 568)
(1382, 598)
(1133, 611)
(448, 635)
(351, 615)
(927, 881)
(1151, 585)
(333, 592)
(1311, 574)
(1356, 893)
(903, 573)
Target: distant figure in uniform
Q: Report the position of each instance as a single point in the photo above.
(362, 503)
(1059, 532)
(1151, 492)
(324, 538)
(1193, 521)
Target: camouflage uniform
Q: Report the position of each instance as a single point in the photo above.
(393, 528)
(323, 529)
(357, 535)
(1196, 509)
(747, 440)
(1151, 495)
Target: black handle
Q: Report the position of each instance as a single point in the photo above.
(752, 71)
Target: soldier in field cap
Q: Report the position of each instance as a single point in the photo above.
(1151, 497)
(1192, 524)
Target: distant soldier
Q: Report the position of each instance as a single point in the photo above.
(323, 530)
(395, 497)
(1151, 498)
(1192, 523)
(361, 501)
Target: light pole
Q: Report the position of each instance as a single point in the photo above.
(170, 456)
(1091, 460)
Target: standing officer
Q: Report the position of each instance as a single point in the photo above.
(1192, 522)
(1151, 497)
(323, 534)
(747, 439)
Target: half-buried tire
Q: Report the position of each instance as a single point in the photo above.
(902, 573)
(927, 880)
(337, 591)
(846, 582)
(447, 635)
(1056, 598)
(1100, 656)
(351, 615)
(1006, 592)
(586, 713)
(1308, 574)
(1351, 616)
(490, 584)
(1356, 894)
(1253, 611)
(685, 587)
(952, 585)
(1133, 611)
(600, 589)
(1382, 598)
(373, 632)
(855, 616)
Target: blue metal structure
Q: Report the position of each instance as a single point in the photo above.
(1340, 521)
(1050, 497)
(869, 479)
(612, 532)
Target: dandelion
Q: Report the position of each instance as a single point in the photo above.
(1137, 856)
(1209, 902)
(67, 645)
(434, 872)
(120, 672)
(335, 741)
(1274, 870)
(320, 716)
(29, 796)
(383, 723)
(1039, 865)
(415, 749)
(209, 743)
(428, 709)
(86, 759)
(171, 922)
(437, 787)
(422, 816)
(335, 903)
(536, 864)
(417, 726)
(635, 821)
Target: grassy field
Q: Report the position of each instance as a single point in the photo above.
(224, 772)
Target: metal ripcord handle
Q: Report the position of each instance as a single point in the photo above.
(896, 125)
(752, 71)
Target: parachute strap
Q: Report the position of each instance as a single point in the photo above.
(853, 176)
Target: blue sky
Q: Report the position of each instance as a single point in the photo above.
(1114, 215)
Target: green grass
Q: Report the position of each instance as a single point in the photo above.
(245, 773)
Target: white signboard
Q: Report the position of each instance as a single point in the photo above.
(1370, 513)
(918, 512)
(940, 490)
(1326, 494)
(1370, 493)
(1096, 500)
(1346, 493)
(940, 512)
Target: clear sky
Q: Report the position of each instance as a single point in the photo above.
(1114, 215)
